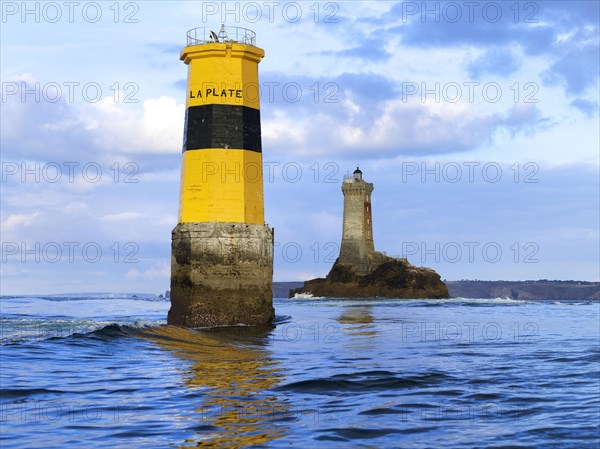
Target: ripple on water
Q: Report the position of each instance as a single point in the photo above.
(85, 372)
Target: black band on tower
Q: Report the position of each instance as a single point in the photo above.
(222, 126)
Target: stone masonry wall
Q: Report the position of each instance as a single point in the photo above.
(221, 274)
(357, 236)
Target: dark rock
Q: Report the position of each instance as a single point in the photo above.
(387, 277)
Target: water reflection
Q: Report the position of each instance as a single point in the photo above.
(359, 326)
(235, 371)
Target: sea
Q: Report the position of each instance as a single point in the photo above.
(106, 371)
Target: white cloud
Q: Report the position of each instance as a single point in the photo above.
(15, 221)
(409, 127)
(95, 130)
(170, 220)
(158, 129)
(160, 269)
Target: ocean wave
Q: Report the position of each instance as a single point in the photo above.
(281, 319)
(87, 296)
(429, 302)
(20, 393)
(24, 330)
(110, 331)
(16, 331)
(497, 300)
(306, 296)
(366, 382)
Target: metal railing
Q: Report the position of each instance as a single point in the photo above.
(206, 35)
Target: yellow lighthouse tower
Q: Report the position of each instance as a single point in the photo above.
(222, 251)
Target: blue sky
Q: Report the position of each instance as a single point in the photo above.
(477, 123)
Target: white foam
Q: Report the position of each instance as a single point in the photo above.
(306, 296)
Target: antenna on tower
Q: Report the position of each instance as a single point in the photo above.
(223, 34)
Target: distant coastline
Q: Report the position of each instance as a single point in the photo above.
(543, 289)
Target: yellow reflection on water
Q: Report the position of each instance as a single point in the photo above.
(235, 371)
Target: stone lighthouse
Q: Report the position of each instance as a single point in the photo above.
(362, 272)
(222, 250)
(357, 233)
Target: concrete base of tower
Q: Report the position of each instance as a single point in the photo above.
(221, 274)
